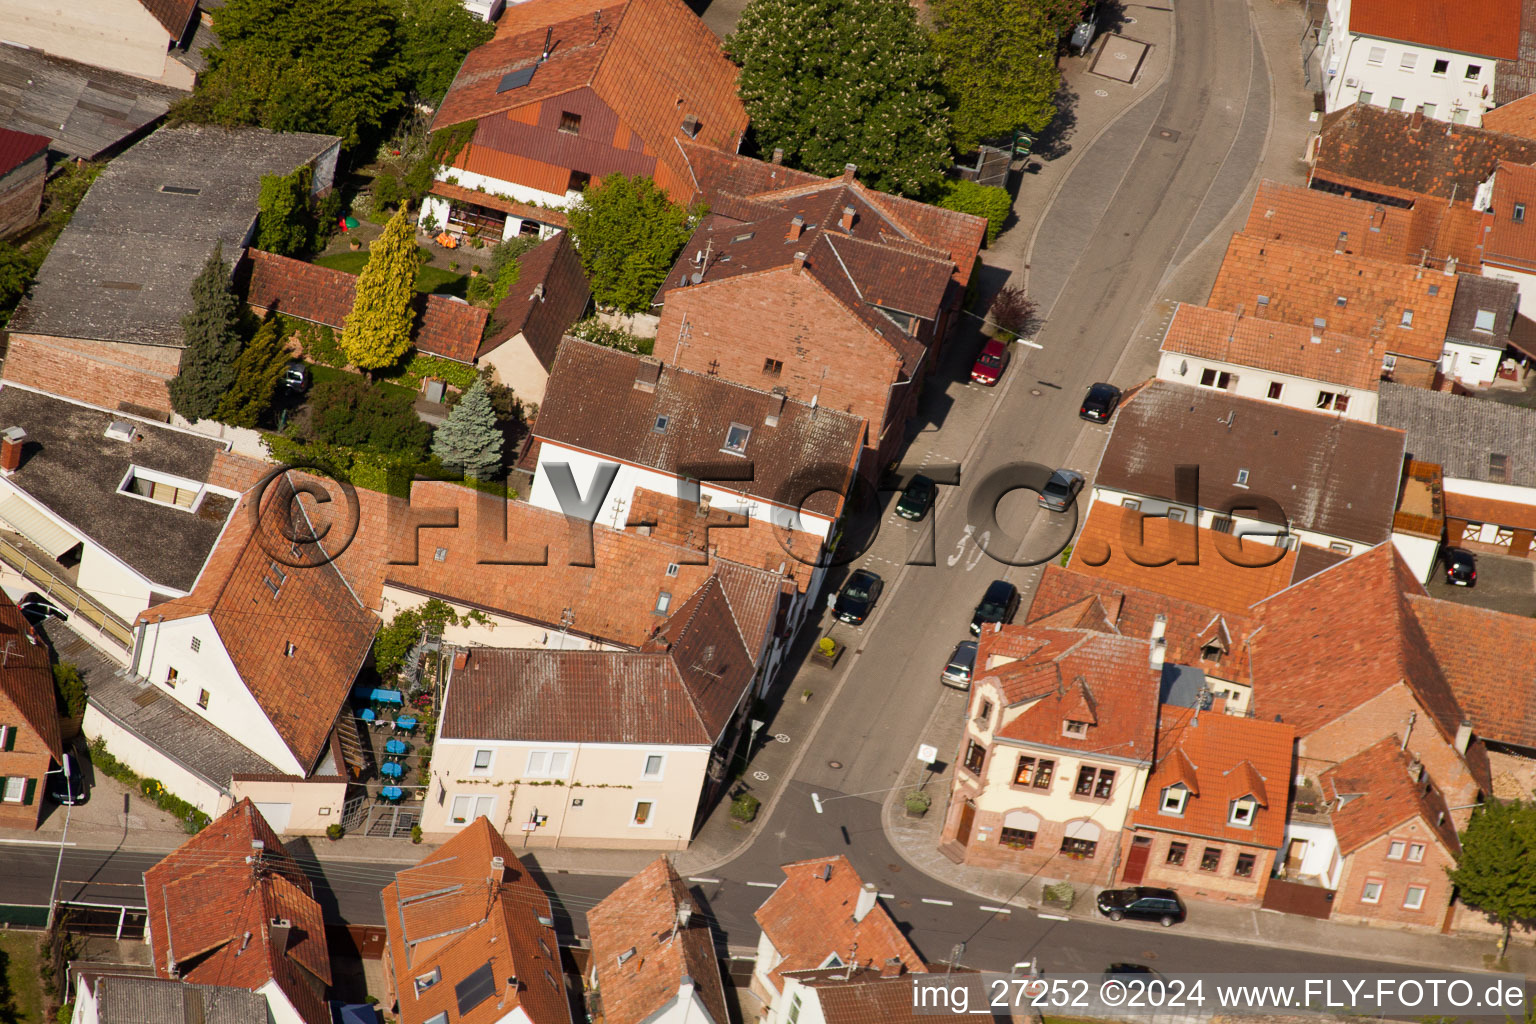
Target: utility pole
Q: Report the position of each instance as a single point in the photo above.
(58, 868)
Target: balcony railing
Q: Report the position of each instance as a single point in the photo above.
(66, 597)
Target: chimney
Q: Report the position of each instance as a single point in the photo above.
(498, 868)
(799, 260)
(775, 407)
(1450, 267)
(1417, 121)
(1158, 653)
(277, 934)
(848, 215)
(11, 439)
(867, 897)
(460, 659)
(796, 226)
(691, 126)
(893, 968)
(1463, 735)
(647, 373)
(778, 155)
(1159, 628)
(849, 171)
(684, 913)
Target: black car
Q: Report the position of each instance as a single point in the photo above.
(1148, 904)
(1460, 567)
(857, 597)
(1130, 970)
(1099, 403)
(917, 499)
(998, 604)
(66, 785)
(34, 607)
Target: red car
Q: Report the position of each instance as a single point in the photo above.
(989, 365)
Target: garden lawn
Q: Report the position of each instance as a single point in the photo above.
(21, 989)
(321, 372)
(429, 279)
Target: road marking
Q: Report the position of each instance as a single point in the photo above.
(1052, 917)
(35, 842)
(996, 910)
(707, 881)
(940, 903)
(887, 895)
(765, 885)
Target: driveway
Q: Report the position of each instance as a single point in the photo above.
(1504, 584)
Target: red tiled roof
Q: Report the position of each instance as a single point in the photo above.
(1512, 242)
(16, 148)
(1302, 285)
(457, 912)
(1299, 215)
(641, 919)
(653, 62)
(210, 908)
(1385, 796)
(1220, 758)
(297, 649)
(1484, 28)
(730, 537)
(867, 998)
(550, 294)
(173, 15)
(1517, 117)
(445, 327)
(1218, 570)
(1078, 675)
(1331, 357)
(26, 678)
(808, 918)
(1487, 657)
(1312, 665)
(1474, 509)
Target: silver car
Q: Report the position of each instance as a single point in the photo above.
(1061, 490)
(957, 672)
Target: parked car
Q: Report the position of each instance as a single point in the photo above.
(998, 604)
(66, 785)
(1130, 970)
(857, 597)
(296, 377)
(917, 499)
(1085, 31)
(991, 363)
(1099, 403)
(1144, 903)
(957, 671)
(34, 607)
(1061, 490)
(1460, 567)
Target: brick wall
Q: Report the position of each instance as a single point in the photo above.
(1223, 885)
(28, 758)
(21, 192)
(1371, 862)
(102, 373)
(739, 323)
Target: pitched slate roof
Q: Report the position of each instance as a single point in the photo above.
(285, 616)
(1476, 294)
(1368, 143)
(1334, 476)
(26, 677)
(1086, 675)
(810, 917)
(87, 111)
(129, 1000)
(1484, 28)
(680, 689)
(1510, 242)
(1489, 659)
(653, 62)
(550, 294)
(211, 904)
(1299, 285)
(1312, 665)
(1385, 796)
(16, 148)
(592, 403)
(1458, 433)
(639, 921)
(123, 268)
(1513, 79)
(1333, 357)
(444, 326)
(1220, 758)
(457, 911)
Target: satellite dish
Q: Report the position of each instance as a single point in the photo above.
(698, 275)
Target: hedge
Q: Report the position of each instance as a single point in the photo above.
(192, 819)
(989, 201)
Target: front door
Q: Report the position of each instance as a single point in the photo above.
(1136, 860)
(967, 822)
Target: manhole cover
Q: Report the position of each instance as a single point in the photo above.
(1036, 392)
(834, 764)
(1167, 134)
(760, 776)
(781, 737)
(1101, 92)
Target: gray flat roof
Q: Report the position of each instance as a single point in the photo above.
(85, 110)
(70, 467)
(123, 268)
(1458, 433)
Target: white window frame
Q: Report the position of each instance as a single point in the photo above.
(1366, 896)
(16, 784)
(1407, 320)
(1415, 853)
(661, 768)
(1429, 109)
(650, 817)
(1396, 849)
(490, 761)
(1079, 732)
(1409, 903)
(542, 764)
(1176, 794)
(1243, 804)
(1408, 61)
(1437, 71)
(1486, 318)
(1376, 56)
(1134, 504)
(474, 802)
(741, 447)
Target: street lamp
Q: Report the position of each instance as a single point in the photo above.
(69, 791)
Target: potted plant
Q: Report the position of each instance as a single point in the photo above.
(827, 652)
(354, 244)
(334, 831)
(805, 696)
(416, 833)
(918, 803)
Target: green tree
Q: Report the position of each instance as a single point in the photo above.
(377, 332)
(998, 60)
(258, 371)
(1497, 870)
(836, 82)
(492, 286)
(212, 332)
(300, 66)
(988, 201)
(627, 233)
(285, 224)
(432, 37)
(70, 688)
(469, 439)
(352, 413)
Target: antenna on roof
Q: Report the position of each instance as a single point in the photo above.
(597, 17)
(548, 34)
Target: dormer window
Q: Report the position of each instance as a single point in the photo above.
(736, 439)
(1174, 798)
(1072, 727)
(426, 981)
(832, 960)
(162, 488)
(1211, 652)
(1242, 812)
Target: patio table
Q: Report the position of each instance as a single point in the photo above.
(405, 723)
(395, 747)
(392, 793)
(392, 769)
(368, 715)
(386, 697)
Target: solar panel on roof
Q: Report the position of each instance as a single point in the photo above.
(475, 989)
(516, 79)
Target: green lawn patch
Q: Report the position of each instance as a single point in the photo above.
(430, 279)
(21, 986)
(320, 372)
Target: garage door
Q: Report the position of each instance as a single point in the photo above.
(277, 815)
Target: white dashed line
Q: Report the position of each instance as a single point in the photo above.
(1052, 917)
(887, 895)
(940, 903)
(706, 881)
(765, 885)
(996, 910)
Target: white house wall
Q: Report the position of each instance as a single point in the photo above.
(1472, 365)
(518, 368)
(500, 631)
(1524, 282)
(1295, 392)
(1484, 489)
(279, 1009)
(118, 34)
(1319, 860)
(1418, 552)
(231, 707)
(151, 763)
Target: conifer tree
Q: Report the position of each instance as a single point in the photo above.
(212, 332)
(258, 372)
(377, 332)
(469, 439)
